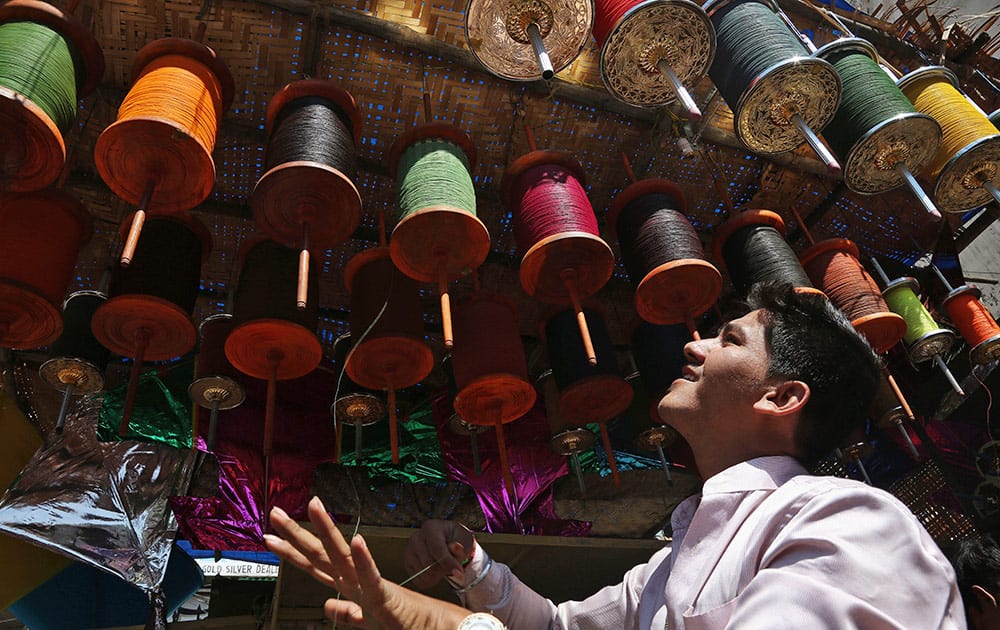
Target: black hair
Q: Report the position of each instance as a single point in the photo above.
(977, 562)
(809, 340)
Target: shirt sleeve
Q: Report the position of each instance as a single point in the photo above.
(520, 608)
(819, 570)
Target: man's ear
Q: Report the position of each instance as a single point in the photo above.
(983, 597)
(783, 399)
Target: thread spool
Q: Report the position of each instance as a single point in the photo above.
(527, 40)
(216, 384)
(77, 360)
(565, 260)
(566, 439)
(754, 249)
(587, 392)
(41, 234)
(157, 155)
(854, 454)
(779, 94)
(995, 118)
(659, 245)
(887, 413)
(54, 60)
(880, 138)
(306, 199)
(148, 313)
(966, 164)
(975, 323)
(456, 423)
(354, 405)
(386, 312)
(833, 266)
(438, 237)
(651, 50)
(491, 371)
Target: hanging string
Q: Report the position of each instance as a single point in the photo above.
(182, 90)
(434, 173)
(962, 123)
(756, 253)
(651, 233)
(974, 322)
(750, 38)
(313, 129)
(37, 62)
(553, 201)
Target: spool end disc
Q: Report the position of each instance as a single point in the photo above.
(118, 323)
(590, 258)
(493, 396)
(595, 399)
(677, 290)
(439, 238)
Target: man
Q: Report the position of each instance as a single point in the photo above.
(977, 566)
(765, 545)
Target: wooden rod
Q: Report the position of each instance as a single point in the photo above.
(569, 278)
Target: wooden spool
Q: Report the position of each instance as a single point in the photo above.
(216, 384)
(272, 339)
(567, 439)
(392, 354)
(676, 291)
(153, 160)
(41, 234)
(355, 405)
(32, 149)
(882, 329)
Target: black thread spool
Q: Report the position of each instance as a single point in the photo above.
(355, 405)
(887, 412)
(567, 440)
(754, 249)
(272, 339)
(77, 360)
(456, 423)
(148, 312)
(663, 254)
(216, 384)
(307, 198)
(780, 95)
(587, 392)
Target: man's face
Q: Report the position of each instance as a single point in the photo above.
(724, 376)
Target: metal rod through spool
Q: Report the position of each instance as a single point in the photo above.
(61, 420)
(141, 342)
(569, 279)
(906, 436)
(302, 289)
(917, 190)
(606, 440)
(128, 252)
(357, 443)
(817, 145)
(879, 271)
(213, 421)
(683, 96)
(449, 336)
(948, 375)
(899, 396)
(575, 465)
(992, 189)
(535, 35)
(861, 467)
(666, 466)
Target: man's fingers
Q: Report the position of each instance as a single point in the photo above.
(302, 540)
(289, 553)
(333, 541)
(368, 575)
(344, 611)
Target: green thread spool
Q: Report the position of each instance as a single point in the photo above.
(924, 339)
(37, 61)
(435, 173)
(876, 131)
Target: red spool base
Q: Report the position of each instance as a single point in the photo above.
(588, 256)
(391, 362)
(495, 397)
(882, 330)
(595, 399)
(27, 318)
(118, 323)
(32, 151)
(258, 346)
(678, 290)
(437, 239)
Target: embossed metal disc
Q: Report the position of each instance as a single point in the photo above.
(935, 342)
(677, 31)
(491, 41)
(958, 186)
(812, 85)
(359, 408)
(911, 138)
(572, 441)
(662, 436)
(986, 351)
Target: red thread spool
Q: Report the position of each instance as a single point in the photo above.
(41, 234)
(565, 258)
(587, 392)
(148, 313)
(439, 243)
(32, 149)
(975, 323)
(392, 355)
(674, 288)
(272, 339)
(833, 266)
(216, 384)
(491, 372)
(305, 203)
(158, 163)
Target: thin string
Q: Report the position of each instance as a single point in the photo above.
(434, 173)
(37, 61)
(182, 90)
(961, 122)
(972, 319)
(552, 201)
(607, 14)
(313, 129)
(758, 253)
(905, 303)
(651, 233)
(750, 38)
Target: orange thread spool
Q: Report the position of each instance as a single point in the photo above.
(975, 323)
(833, 267)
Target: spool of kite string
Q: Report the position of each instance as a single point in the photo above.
(652, 50)
(438, 237)
(966, 164)
(387, 320)
(973, 320)
(491, 371)
(565, 260)
(307, 199)
(779, 94)
(567, 439)
(587, 392)
(216, 384)
(48, 60)
(888, 413)
(158, 154)
(354, 405)
(663, 254)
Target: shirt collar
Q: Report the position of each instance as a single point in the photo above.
(760, 473)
